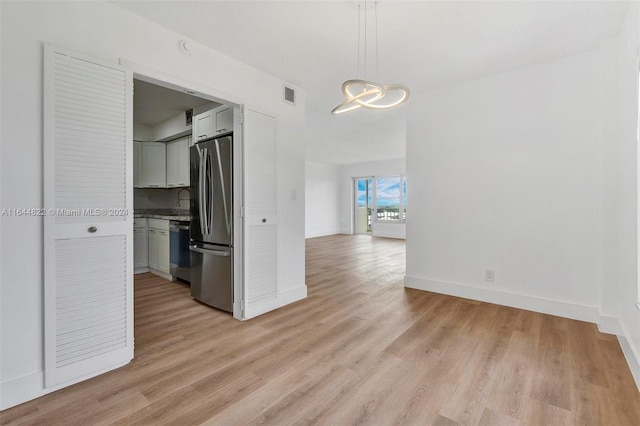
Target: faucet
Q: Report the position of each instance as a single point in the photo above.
(182, 199)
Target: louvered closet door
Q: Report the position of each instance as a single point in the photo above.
(261, 214)
(88, 231)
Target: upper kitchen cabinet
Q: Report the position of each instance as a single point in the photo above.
(212, 123)
(178, 162)
(203, 125)
(160, 164)
(224, 119)
(153, 165)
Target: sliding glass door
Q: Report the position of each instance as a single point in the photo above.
(363, 204)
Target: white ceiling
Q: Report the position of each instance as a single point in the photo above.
(153, 104)
(423, 44)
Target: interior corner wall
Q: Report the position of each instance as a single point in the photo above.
(108, 32)
(620, 289)
(374, 168)
(506, 175)
(321, 199)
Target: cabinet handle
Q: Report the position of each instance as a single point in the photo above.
(202, 136)
(92, 229)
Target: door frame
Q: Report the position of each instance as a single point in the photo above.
(174, 82)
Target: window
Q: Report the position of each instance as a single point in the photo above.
(390, 198)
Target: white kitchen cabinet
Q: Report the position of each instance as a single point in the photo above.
(153, 249)
(140, 245)
(178, 163)
(154, 165)
(163, 251)
(223, 119)
(159, 247)
(212, 123)
(203, 125)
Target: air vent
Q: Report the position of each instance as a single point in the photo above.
(289, 95)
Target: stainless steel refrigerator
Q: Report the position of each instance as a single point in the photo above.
(211, 228)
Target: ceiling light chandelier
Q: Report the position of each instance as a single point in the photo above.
(368, 94)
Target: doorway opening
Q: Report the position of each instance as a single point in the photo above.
(362, 205)
(184, 102)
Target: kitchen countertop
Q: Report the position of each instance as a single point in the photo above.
(166, 214)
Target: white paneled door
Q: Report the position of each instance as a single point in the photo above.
(88, 220)
(261, 214)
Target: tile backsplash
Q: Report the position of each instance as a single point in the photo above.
(160, 198)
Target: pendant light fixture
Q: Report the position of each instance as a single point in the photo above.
(361, 93)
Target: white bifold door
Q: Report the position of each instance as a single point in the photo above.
(261, 214)
(88, 223)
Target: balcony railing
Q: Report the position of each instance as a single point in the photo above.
(384, 214)
(390, 215)
(387, 215)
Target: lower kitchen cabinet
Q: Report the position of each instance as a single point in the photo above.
(140, 245)
(163, 251)
(153, 249)
(159, 247)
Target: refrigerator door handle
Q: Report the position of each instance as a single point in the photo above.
(209, 189)
(201, 196)
(224, 195)
(211, 252)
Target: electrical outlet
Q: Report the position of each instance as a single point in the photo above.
(489, 275)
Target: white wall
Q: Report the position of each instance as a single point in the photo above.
(108, 32)
(322, 184)
(142, 132)
(374, 168)
(620, 201)
(506, 175)
(533, 174)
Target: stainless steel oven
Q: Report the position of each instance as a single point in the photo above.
(179, 255)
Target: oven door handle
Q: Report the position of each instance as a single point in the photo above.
(211, 252)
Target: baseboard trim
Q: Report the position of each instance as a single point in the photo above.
(161, 274)
(293, 295)
(609, 325)
(284, 298)
(630, 352)
(26, 388)
(389, 235)
(321, 234)
(514, 300)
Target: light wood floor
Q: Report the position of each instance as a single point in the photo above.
(361, 349)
